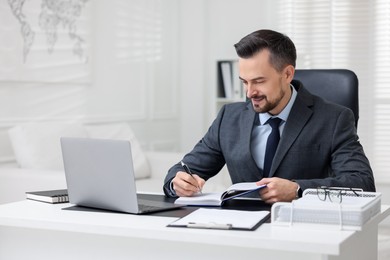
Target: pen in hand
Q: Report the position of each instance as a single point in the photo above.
(187, 169)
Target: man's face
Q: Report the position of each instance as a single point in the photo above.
(268, 89)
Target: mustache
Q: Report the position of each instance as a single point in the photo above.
(257, 97)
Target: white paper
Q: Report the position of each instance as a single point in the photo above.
(244, 186)
(201, 199)
(210, 217)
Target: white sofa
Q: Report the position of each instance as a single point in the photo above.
(38, 163)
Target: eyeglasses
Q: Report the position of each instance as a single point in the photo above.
(335, 194)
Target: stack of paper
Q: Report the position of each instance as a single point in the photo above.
(351, 213)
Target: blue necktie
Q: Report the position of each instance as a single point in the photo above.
(272, 144)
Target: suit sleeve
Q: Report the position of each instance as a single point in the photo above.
(206, 158)
(348, 164)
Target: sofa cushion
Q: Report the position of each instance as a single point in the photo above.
(122, 131)
(37, 145)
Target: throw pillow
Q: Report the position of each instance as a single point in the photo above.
(37, 145)
(122, 131)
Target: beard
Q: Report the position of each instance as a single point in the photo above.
(269, 104)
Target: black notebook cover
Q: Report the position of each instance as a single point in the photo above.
(49, 196)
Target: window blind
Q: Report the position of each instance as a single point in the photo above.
(355, 35)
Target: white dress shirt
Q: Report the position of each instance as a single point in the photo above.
(262, 130)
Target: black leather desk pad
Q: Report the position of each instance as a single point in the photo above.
(237, 204)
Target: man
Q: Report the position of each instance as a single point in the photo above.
(318, 143)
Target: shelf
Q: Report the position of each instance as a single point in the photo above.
(229, 88)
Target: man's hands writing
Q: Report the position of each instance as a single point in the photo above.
(186, 185)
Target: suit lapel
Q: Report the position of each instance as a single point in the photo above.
(298, 117)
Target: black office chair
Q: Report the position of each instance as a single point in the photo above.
(339, 86)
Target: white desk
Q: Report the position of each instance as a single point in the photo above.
(35, 230)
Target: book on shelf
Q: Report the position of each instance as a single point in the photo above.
(227, 78)
(229, 83)
(49, 196)
(238, 88)
(217, 198)
(222, 219)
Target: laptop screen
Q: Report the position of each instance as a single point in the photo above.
(99, 173)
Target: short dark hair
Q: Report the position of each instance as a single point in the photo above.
(282, 49)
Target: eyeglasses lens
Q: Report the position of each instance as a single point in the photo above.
(321, 193)
(335, 196)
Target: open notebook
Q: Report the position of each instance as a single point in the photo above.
(218, 198)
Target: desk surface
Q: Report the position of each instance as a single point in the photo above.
(38, 215)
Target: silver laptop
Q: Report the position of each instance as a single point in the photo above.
(100, 174)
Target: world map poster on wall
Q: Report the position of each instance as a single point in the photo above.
(44, 40)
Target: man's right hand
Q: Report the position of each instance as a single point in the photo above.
(186, 185)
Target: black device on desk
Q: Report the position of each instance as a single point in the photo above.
(245, 204)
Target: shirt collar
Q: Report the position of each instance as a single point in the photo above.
(285, 112)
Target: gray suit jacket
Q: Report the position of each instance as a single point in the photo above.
(319, 147)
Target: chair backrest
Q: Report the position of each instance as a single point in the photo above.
(339, 86)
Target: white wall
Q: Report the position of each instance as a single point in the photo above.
(136, 69)
(229, 21)
(207, 33)
(192, 85)
(128, 71)
(168, 100)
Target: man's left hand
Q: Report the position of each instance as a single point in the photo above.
(277, 190)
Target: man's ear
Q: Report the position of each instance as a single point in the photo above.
(289, 71)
